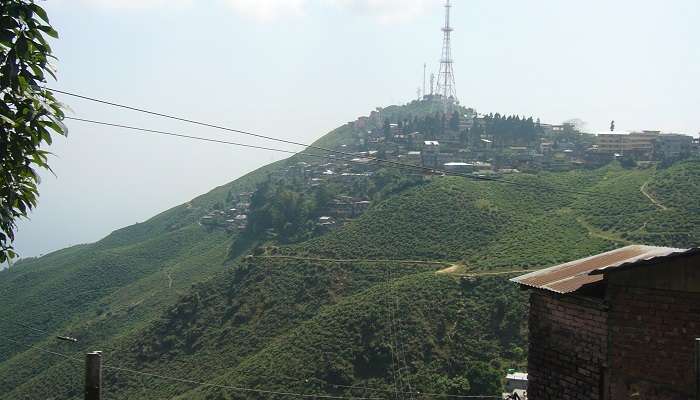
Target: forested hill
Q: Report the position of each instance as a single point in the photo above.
(313, 312)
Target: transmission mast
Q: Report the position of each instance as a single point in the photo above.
(446, 77)
(424, 68)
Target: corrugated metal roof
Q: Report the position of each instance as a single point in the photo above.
(573, 275)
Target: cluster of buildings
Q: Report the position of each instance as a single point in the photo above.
(448, 151)
(341, 209)
(328, 170)
(646, 145)
(455, 149)
(305, 176)
(231, 219)
(479, 151)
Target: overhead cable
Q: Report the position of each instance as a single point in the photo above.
(316, 147)
(194, 382)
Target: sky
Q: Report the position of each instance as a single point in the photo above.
(296, 69)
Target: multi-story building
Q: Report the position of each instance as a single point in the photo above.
(673, 145)
(645, 145)
(636, 144)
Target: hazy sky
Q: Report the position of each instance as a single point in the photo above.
(298, 68)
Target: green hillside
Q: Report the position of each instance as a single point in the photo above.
(170, 297)
(102, 291)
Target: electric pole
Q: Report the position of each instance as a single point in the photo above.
(93, 376)
(424, 67)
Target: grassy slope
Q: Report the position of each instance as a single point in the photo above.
(257, 323)
(341, 337)
(103, 291)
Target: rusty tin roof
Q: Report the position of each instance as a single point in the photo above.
(571, 276)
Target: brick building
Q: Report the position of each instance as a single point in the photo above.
(617, 325)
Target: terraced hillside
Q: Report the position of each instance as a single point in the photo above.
(168, 298)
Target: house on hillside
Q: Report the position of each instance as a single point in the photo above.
(430, 153)
(617, 325)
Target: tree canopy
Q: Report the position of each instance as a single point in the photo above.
(29, 113)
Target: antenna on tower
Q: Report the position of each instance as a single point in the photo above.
(446, 77)
(432, 84)
(424, 67)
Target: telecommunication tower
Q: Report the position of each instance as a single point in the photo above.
(424, 69)
(446, 77)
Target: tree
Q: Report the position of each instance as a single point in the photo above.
(29, 114)
(484, 379)
(387, 129)
(454, 121)
(457, 386)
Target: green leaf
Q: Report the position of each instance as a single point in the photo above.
(7, 22)
(6, 37)
(7, 120)
(49, 31)
(22, 47)
(57, 127)
(40, 12)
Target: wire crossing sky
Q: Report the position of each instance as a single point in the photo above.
(299, 68)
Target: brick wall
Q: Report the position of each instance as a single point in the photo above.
(652, 335)
(568, 346)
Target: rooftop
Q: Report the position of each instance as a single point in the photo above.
(457, 164)
(518, 376)
(572, 276)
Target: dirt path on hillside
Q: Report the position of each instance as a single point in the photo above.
(170, 279)
(452, 269)
(595, 232)
(350, 260)
(643, 189)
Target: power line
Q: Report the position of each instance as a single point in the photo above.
(324, 149)
(350, 161)
(43, 332)
(370, 389)
(159, 132)
(42, 349)
(236, 388)
(194, 382)
(203, 139)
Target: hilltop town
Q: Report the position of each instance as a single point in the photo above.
(459, 141)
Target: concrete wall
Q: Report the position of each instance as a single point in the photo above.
(568, 347)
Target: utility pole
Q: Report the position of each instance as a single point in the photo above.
(697, 369)
(424, 67)
(93, 376)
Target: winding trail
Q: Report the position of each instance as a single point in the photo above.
(643, 189)
(170, 279)
(601, 234)
(363, 260)
(452, 269)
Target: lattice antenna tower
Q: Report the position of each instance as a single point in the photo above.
(446, 77)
